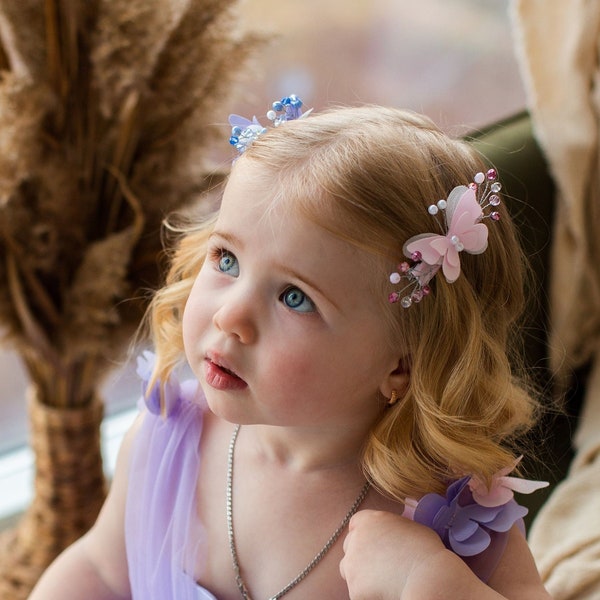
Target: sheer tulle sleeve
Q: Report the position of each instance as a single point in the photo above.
(165, 540)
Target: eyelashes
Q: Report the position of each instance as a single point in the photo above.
(226, 262)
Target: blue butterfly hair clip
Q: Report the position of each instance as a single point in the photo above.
(245, 131)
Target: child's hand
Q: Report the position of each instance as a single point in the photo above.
(384, 551)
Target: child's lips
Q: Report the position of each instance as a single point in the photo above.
(221, 377)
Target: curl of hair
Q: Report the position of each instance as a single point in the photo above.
(165, 312)
(367, 175)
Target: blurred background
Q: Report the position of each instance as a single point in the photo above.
(450, 59)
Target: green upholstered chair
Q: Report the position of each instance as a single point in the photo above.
(528, 188)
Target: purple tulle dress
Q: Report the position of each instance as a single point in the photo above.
(164, 537)
(165, 540)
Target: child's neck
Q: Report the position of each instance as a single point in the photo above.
(305, 449)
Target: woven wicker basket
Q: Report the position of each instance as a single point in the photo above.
(68, 493)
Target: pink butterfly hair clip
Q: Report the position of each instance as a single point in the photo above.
(463, 231)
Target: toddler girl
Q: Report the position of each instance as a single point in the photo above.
(347, 315)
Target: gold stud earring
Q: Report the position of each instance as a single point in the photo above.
(393, 398)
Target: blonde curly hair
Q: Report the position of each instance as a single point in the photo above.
(367, 175)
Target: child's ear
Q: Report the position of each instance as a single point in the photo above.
(396, 383)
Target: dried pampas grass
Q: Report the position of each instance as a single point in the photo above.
(105, 113)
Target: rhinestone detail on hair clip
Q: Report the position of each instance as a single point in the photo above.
(245, 131)
(463, 212)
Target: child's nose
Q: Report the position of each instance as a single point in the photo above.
(236, 317)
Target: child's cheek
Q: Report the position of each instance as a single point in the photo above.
(300, 372)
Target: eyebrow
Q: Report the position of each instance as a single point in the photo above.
(236, 241)
(228, 237)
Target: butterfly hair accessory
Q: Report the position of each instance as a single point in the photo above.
(463, 230)
(245, 131)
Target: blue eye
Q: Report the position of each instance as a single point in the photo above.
(297, 300)
(228, 264)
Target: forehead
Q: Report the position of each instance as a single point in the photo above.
(257, 204)
(257, 208)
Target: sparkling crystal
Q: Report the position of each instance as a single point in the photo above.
(417, 296)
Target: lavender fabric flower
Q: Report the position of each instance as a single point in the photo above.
(463, 525)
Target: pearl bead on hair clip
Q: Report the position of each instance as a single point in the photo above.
(463, 212)
(245, 131)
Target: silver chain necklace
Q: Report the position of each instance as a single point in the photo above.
(311, 565)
